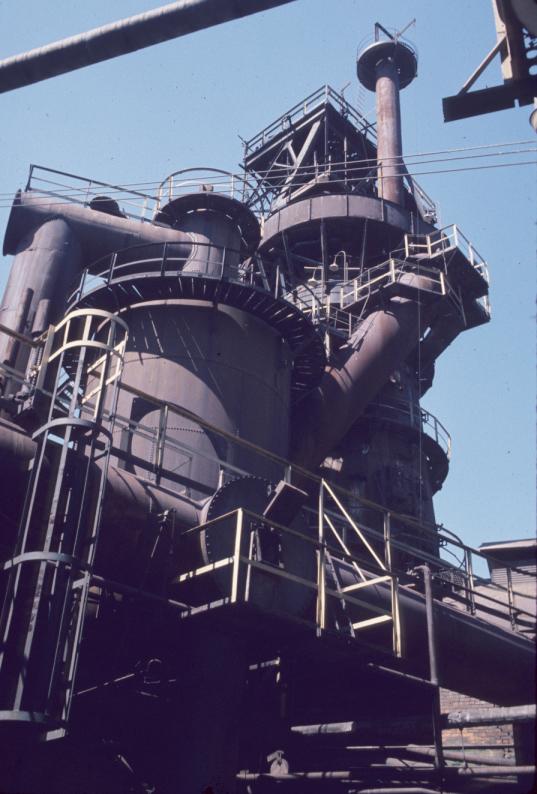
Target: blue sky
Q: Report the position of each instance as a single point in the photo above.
(184, 104)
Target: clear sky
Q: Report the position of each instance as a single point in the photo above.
(184, 104)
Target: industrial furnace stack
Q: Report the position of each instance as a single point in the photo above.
(217, 476)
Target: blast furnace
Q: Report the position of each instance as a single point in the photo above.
(221, 569)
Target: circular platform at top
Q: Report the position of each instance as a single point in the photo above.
(238, 212)
(401, 53)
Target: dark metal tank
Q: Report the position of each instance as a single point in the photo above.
(217, 361)
(222, 364)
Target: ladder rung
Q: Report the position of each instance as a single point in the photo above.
(360, 585)
(362, 624)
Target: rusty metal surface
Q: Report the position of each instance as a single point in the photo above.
(127, 35)
(356, 375)
(46, 262)
(389, 140)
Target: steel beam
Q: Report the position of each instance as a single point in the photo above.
(127, 35)
(489, 100)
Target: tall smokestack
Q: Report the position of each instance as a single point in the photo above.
(386, 66)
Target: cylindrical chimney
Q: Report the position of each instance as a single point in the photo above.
(386, 66)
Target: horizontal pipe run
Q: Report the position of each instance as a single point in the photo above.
(453, 719)
(414, 679)
(461, 755)
(496, 771)
(324, 728)
(399, 790)
(98, 233)
(435, 530)
(489, 716)
(457, 746)
(127, 35)
(353, 776)
(348, 775)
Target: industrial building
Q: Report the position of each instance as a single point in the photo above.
(221, 565)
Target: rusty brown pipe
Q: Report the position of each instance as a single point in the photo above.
(357, 373)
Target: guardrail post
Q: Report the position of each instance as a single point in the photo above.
(82, 284)
(237, 556)
(471, 254)
(396, 619)
(30, 175)
(321, 573)
(164, 258)
(510, 598)
(161, 439)
(387, 540)
(88, 192)
(433, 670)
(112, 267)
(469, 580)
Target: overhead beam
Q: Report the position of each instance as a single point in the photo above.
(127, 35)
(489, 100)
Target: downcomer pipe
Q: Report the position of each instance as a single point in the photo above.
(51, 241)
(119, 38)
(47, 261)
(359, 371)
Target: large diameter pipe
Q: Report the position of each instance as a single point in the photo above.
(357, 374)
(354, 776)
(47, 261)
(129, 501)
(51, 241)
(127, 35)
(474, 657)
(98, 233)
(389, 141)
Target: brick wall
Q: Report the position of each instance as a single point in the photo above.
(500, 736)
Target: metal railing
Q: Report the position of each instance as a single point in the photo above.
(352, 173)
(322, 312)
(158, 259)
(318, 98)
(502, 604)
(75, 189)
(443, 241)
(437, 533)
(202, 179)
(244, 563)
(415, 416)
(388, 273)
